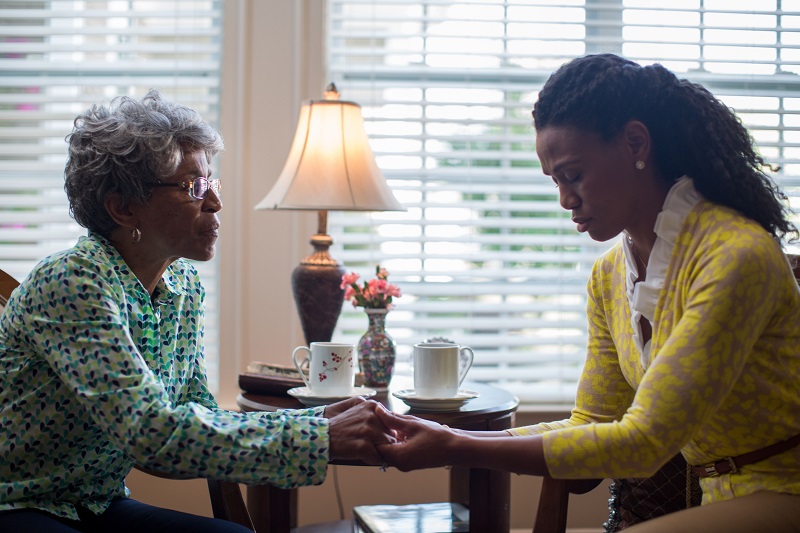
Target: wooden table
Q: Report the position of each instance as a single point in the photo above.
(485, 492)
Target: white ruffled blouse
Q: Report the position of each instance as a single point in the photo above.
(643, 296)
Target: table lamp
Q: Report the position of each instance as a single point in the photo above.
(330, 167)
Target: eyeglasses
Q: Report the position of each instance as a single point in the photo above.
(198, 187)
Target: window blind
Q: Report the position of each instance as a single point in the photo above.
(57, 58)
(485, 255)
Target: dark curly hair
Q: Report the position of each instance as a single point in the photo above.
(123, 148)
(693, 133)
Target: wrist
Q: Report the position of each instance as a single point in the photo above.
(462, 448)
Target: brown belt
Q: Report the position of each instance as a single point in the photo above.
(733, 464)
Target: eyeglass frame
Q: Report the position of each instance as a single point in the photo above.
(211, 184)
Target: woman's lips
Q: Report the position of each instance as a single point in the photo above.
(582, 223)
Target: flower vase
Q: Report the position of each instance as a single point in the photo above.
(376, 351)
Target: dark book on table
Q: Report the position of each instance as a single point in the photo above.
(415, 518)
(268, 378)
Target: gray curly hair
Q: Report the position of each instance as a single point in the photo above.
(126, 146)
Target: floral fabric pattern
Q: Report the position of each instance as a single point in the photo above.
(724, 370)
(96, 376)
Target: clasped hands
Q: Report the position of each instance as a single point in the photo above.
(364, 430)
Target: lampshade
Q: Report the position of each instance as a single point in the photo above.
(331, 165)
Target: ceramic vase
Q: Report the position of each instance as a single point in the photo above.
(376, 351)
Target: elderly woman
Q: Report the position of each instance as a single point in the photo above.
(694, 314)
(101, 347)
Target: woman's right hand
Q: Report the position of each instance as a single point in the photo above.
(418, 444)
(424, 444)
(354, 431)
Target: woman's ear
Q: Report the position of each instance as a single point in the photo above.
(637, 137)
(120, 211)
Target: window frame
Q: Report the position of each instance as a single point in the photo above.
(366, 76)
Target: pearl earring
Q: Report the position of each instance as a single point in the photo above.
(640, 165)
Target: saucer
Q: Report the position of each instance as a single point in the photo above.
(307, 397)
(410, 398)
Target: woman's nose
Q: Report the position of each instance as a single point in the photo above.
(212, 202)
(567, 197)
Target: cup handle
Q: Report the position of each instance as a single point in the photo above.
(465, 359)
(300, 365)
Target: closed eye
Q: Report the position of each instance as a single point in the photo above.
(573, 179)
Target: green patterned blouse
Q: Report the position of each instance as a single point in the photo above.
(96, 376)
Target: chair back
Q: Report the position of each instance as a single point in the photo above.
(7, 286)
(794, 261)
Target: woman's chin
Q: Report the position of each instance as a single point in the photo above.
(203, 255)
(602, 236)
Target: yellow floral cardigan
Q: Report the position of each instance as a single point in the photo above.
(725, 372)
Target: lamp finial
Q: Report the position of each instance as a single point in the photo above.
(330, 92)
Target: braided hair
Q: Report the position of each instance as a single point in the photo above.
(692, 132)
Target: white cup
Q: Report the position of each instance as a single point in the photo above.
(331, 367)
(440, 368)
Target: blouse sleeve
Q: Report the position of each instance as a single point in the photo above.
(79, 324)
(197, 390)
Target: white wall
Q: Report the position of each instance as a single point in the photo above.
(272, 61)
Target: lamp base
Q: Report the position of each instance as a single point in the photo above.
(319, 298)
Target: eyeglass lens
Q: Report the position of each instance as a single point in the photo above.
(200, 187)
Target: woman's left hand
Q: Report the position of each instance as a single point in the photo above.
(355, 430)
(340, 407)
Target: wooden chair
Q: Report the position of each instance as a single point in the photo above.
(7, 286)
(226, 497)
(794, 261)
(551, 514)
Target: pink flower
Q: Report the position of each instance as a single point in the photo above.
(378, 286)
(349, 279)
(349, 293)
(373, 294)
